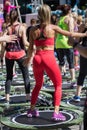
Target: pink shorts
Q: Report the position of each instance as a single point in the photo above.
(76, 53)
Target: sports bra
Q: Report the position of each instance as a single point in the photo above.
(43, 40)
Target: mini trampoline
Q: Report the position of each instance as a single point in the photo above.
(44, 99)
(65, 87)
(74, 104)
(21, 121)
(19, 81)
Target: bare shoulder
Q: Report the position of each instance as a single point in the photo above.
(68, 19)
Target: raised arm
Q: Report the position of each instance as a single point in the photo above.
(67, 33)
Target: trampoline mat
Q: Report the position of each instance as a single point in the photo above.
(43, 100)
(20, 82)
(65, 86)
(14, 99)
(75, 103)
(44, 120)
(17, 82)
(68, 86)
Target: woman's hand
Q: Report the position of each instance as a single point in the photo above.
(10, 38)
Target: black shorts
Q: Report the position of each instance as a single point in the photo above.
(63, 54)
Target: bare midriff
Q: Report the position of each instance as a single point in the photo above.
(39, 48)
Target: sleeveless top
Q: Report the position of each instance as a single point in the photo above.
(61, 40)
(17, 49)
(43, 40)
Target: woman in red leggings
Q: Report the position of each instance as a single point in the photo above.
(42, 36)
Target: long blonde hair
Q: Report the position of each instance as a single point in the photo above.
(44, 14)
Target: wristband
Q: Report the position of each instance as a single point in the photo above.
(75, 44)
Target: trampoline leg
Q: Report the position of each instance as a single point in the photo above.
(1, 123)
(1, 126)
(81, 126)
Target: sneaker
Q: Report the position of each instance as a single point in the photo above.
(73, 85)
(58, 116)
(32, 113)
(77, 67)
(14, 75)
(76, 98)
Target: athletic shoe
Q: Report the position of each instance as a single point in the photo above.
(15, 75)
(73, 85)
(76, 98)
(7, 104)
(32, 113)
(77, 67)
(58, 116)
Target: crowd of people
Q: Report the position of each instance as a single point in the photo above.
(65, 35)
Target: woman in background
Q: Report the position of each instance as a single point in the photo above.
(16, 52)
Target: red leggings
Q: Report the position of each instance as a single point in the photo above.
(46, 61)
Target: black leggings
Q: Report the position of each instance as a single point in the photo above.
(9, 70)
(83, 71)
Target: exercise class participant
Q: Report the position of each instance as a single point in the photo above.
(83, 52)
(16, 52)
(33, 22)
(8, 7)
(66, 22)
(42, 36)
(83, 69)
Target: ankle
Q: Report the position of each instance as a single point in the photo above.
(32, 107)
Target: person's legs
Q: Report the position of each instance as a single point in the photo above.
(61, 59)
(76, 59)
(70, 59)
(85, 114)
(80, 82)
(9, 71)
(38, 74)
(46, 61)
(14, 71)
(81, 77)
(25, 73)
(53, 72)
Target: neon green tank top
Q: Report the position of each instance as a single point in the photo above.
(61, 40)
